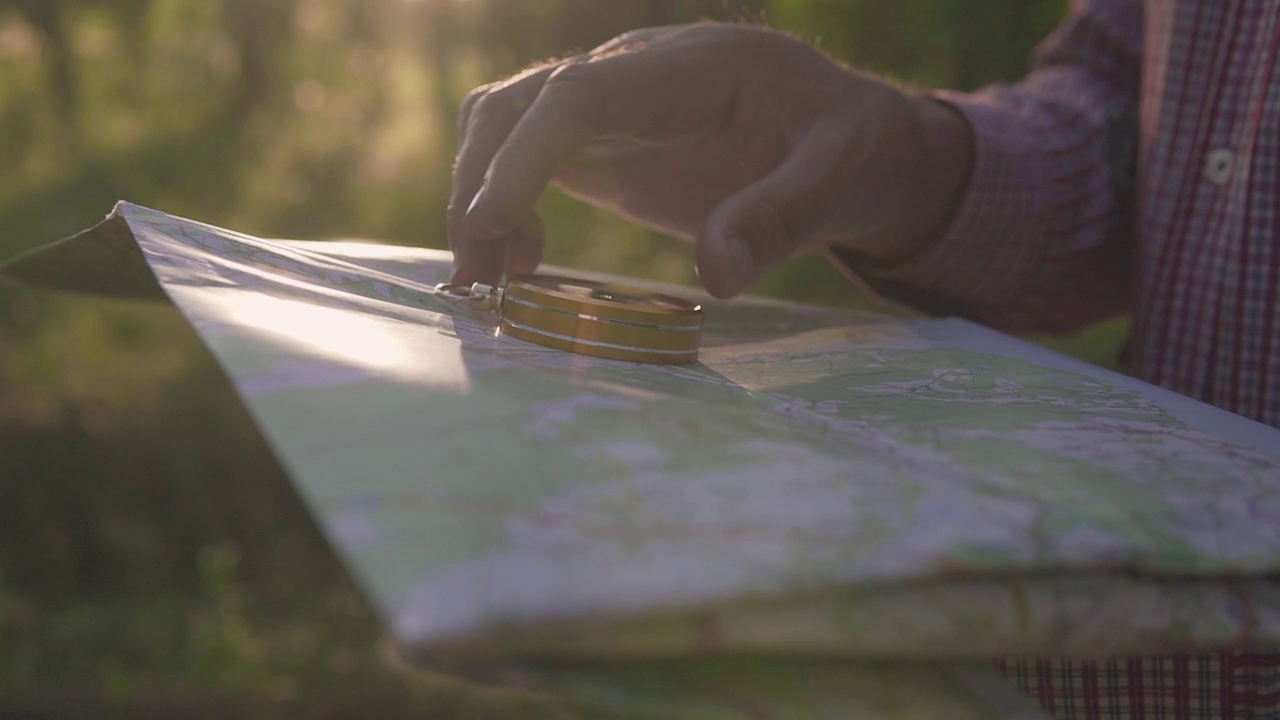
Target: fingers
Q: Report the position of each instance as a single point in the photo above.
(486, 119)
(524, 251)
(517, 136)
(759, 227)
(487, 259)
(563, 118)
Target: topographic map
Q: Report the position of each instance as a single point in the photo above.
(823, 493)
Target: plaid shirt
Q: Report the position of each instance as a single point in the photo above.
(1227, 685)
(1134, 168)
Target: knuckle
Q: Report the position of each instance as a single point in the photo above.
(455, 213)
(472, 97)
(630, 38)
(495, 96)
(571, 75)
(500, 106)
(499, 220)
(492, 218)
(467, 108)
(575, 89)
(485, 107)
(745, 38)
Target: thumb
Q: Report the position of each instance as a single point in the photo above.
(756, 229)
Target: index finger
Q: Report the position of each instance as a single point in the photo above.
(567, 114)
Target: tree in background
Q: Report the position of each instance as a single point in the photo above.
(225, 87)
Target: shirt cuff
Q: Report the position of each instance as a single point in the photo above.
(995, 231)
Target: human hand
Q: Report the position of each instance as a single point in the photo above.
(747, 141)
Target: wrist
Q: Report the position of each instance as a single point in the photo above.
(941, 177)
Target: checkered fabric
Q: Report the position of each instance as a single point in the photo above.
(1134, 168)
(1231, 686)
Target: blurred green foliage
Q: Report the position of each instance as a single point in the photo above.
(153, 558)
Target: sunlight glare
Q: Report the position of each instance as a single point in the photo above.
(381, 346)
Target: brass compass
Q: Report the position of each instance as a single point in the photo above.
(591, 318)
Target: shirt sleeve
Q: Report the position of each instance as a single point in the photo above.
(1043, 236)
